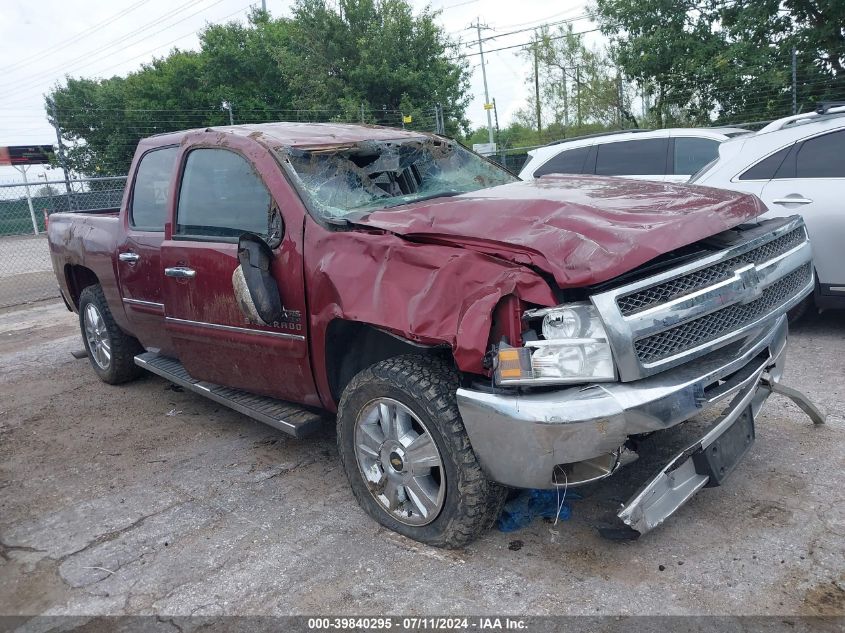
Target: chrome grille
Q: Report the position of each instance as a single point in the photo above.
(699, 331)
(661, 293)
(705, 304)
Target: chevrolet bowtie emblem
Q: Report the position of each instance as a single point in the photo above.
(750, 277)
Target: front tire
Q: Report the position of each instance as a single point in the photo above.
(110, 350)
(407, 455)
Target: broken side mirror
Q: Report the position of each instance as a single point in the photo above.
(255, 288)
(275, 228)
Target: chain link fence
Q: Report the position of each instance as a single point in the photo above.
(26, 273)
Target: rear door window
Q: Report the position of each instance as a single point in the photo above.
(691, 154)
(570, 161)
(148, 209)
(221, 196)
(646, 157)
(822, 157)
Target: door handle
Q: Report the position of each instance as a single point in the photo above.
(129, 257)
(180, 272)
(792, 201)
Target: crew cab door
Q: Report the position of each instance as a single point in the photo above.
(138, 252)
(811, 182)
(220, 196)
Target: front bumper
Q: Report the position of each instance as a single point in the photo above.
(523, 440)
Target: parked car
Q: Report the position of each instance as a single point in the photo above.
(470, 332)
(670, 155)
(796, 165)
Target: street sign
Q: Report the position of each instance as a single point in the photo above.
(26, 155)
(489, 106)
(485, 149)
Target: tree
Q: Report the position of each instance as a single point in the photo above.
(580, 90)
(376, 53)
(696, 59)
(321, 64)
(46, 191)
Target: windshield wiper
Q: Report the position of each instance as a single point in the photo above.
(431, 196)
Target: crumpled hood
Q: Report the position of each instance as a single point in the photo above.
(582, 230)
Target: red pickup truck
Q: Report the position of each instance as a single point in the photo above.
(471, 332)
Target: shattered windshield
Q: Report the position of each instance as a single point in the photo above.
(349, 180)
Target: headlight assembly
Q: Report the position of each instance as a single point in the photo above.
(573, 349)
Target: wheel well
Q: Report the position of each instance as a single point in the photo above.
(352, 347)
(78, 278)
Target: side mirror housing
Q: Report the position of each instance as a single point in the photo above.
(255, 288)
(275, 228)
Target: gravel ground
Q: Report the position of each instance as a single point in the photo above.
(141, 499)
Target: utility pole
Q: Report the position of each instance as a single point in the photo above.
(565, 103)
(23, 169)
(61, 150)
(264, 6)
(578, 95)
(484, 75)
(440, 121)
(537, 92)
(794, 81)
(620, 96)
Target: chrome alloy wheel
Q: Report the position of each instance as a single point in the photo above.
(97, 336)
(400, 462)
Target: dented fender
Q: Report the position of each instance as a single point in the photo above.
(426, 293)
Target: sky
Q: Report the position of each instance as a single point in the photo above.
(43, 42)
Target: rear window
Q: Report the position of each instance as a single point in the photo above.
(766, 168)
(150, 191)
(645, 157)
(570, 161)
(691, 154)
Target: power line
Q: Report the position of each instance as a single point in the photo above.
(173, 41)
(455, 6)
(120, 41)
(548, 17)
(505, 48)
(26, 61)
(531, 28)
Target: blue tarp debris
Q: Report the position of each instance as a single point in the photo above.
(530, 504)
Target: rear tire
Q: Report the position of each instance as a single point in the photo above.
(451, 502)
(111, 351)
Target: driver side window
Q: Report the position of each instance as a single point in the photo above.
(221, 196)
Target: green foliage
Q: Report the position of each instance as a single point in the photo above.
(323, 63)
(578, 86)
(373, 52)
(697, 58)
(580, 92)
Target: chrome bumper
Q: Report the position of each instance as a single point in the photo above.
(520, 439)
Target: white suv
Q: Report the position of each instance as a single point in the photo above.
(796, 165)
(667, 155)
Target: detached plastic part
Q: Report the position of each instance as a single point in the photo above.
(803, 402)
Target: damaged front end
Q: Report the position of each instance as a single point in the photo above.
(692, 337)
